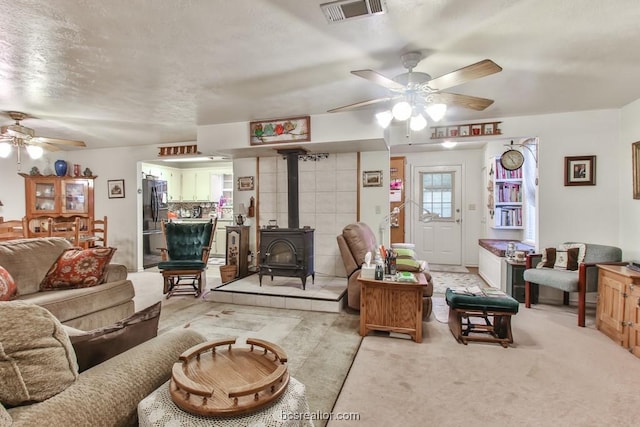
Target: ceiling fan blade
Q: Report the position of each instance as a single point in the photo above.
(46, 146)
(360, 104)
(466, 101)
(378, 79)
(463, 75)
(44, 139)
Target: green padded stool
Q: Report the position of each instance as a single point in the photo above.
(495, 312)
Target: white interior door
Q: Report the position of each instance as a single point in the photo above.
(438, 189)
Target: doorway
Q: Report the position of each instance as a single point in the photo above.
(437, 189)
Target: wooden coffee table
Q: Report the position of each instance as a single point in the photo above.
(387, 305)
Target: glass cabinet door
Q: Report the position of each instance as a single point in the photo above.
(45, 197)
(74, 195)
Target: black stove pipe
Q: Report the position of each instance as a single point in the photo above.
(292, 186)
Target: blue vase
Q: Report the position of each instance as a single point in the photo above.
(61, 167)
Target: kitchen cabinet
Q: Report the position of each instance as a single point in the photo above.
(227, 188)
(220, 238)
(196, 185)
(174, 185)
(57, 196)
(618, 308)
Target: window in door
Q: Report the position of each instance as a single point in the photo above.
(437, 194)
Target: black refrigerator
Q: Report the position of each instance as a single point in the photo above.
(154, 211)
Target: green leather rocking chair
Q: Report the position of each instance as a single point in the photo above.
(185, 256)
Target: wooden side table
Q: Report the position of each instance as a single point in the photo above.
(392, 306)
(618, 310)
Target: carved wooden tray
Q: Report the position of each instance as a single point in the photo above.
(217, 379)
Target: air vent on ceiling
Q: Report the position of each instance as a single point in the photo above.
(342, 10)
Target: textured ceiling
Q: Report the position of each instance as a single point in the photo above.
(135, 72)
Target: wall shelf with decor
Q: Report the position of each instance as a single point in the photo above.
(508, 191)
(468, 130)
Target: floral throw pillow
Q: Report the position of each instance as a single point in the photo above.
(78, 268)
(8, 287)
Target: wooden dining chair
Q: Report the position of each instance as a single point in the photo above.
(64, 227)
(98, 231)
(13, 229)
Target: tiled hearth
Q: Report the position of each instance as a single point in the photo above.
(327, 294)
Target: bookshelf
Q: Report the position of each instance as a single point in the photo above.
(508, 197)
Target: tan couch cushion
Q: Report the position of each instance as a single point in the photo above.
(28, 260)
(69, 304)
(37, 360)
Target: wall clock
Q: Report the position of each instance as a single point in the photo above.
(512, 160)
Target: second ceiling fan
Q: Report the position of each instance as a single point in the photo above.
(415, 92)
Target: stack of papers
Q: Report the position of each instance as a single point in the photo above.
(472, 290)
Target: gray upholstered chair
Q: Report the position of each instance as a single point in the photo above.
(582, 280)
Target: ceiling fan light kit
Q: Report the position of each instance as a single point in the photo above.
(16, 135)
(416, 93)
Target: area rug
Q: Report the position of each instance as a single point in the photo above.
(448, 268)
(444, 280)
(440, 309)
(320, 346)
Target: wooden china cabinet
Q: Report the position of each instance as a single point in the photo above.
(57, 197)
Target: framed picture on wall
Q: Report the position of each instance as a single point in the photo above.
(245, 183)
(580, 170)
(372, 179)
(115, 187)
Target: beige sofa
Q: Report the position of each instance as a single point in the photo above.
(28, 260)
(108, 394)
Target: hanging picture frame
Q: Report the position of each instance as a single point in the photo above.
(580, 170)
(280, 131)
(245, 183)
(372, 179)
(115, 187)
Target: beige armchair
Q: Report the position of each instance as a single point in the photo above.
(354, 242)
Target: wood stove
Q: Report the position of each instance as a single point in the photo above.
(287, 252)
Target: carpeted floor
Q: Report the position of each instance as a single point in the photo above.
(555, 374)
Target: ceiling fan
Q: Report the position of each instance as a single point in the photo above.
(19, 136)
(415, 92)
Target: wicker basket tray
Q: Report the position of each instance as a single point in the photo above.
(228, 272)
(217, 379)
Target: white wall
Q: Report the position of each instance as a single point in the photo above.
(577, 213)
(603, 213)
(629, 208)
